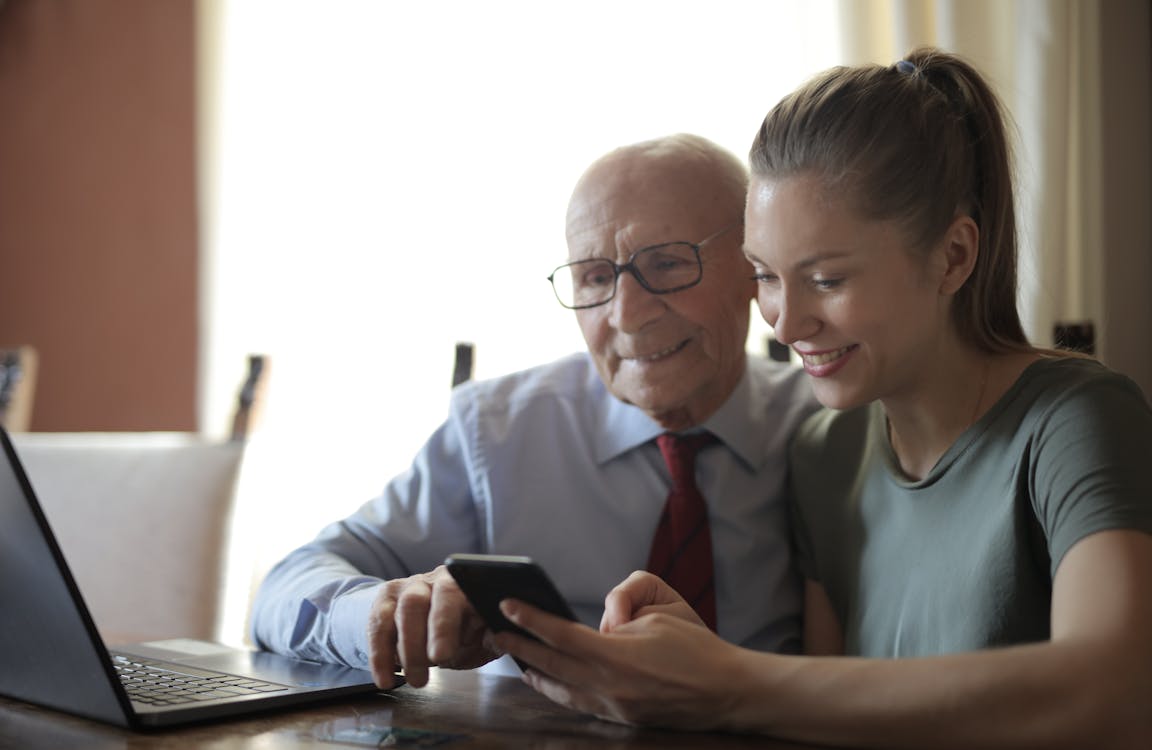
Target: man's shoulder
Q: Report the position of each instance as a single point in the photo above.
(570, 378)
(782, 389)
(768, 373)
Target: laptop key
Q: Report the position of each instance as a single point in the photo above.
(158, 683)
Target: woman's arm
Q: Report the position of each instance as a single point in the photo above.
(1089, 686)
(823, 635)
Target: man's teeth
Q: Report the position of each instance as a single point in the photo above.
(826, 357)
(658, 355)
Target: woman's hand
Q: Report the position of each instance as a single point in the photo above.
(641, 594)
(658, 668)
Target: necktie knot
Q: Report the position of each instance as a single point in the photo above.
(680, 452)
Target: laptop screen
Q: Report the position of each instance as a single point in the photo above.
(49, 649)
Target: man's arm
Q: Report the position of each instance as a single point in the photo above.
(320, 601)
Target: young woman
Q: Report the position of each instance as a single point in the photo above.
(973, 514)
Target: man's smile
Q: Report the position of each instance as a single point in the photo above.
(656, 356)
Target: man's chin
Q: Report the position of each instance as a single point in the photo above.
(672, 412)
(648, 397)
(675, 419)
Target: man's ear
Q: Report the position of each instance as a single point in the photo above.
(961, 247)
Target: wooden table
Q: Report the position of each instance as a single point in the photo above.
(480, 711)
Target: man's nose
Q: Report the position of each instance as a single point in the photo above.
(633, 306)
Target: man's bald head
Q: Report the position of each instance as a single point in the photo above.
(676, 355)
(671, 170)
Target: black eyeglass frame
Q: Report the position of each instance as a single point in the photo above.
(630, 267)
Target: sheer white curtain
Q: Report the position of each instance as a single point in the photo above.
(1043, 58)
(382, 180)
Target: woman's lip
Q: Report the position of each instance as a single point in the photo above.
(823, 363)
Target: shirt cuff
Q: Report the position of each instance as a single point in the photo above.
(350, 616)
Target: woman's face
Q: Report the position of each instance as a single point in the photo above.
(863, 310)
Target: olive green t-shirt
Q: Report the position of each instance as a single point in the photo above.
(964, 558)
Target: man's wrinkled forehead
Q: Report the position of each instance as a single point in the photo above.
(612, 209)
(610, 228)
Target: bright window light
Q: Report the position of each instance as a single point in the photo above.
(387, 179)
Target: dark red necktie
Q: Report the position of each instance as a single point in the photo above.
(682, 548)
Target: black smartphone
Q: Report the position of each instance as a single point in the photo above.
(489, 579)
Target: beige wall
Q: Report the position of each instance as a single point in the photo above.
(1126, 186)
(98, 226)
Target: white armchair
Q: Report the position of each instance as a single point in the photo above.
(143, 520)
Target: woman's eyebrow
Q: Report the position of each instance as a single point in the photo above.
(806, 262)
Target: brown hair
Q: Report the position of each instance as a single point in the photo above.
(921, 142)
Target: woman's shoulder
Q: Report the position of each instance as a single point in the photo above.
(1058, 400)
(1053, 380)
(831, 433)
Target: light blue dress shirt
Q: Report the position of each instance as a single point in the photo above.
(546, 463)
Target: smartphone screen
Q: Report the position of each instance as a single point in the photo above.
(489, 579)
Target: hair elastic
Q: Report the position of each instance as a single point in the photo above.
(906, 67)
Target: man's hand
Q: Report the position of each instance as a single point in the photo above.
(420, 622)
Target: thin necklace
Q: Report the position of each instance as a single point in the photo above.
(980, 397)
(892, 441)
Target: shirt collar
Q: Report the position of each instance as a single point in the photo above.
(739, 422)
(623, 427)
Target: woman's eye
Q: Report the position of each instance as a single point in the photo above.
(827, 284)
(764, 277)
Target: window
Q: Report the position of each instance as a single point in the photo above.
(364, 161)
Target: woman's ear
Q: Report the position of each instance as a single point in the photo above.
(961, 246)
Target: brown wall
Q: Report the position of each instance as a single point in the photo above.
(98, 226)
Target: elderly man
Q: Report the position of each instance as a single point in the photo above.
(562, 462)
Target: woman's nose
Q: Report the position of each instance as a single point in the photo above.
(786, 313)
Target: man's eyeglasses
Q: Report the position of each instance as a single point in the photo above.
(661, 269)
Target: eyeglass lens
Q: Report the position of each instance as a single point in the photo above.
(662, 268)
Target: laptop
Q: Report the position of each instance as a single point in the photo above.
(52, 655)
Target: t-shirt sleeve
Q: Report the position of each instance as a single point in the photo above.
(819, 497)
(803, 454)
(1091, 468)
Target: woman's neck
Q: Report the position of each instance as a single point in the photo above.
(923, 424)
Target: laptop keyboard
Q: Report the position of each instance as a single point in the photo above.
(164, 684)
